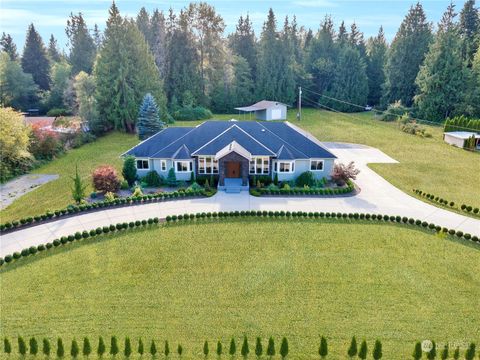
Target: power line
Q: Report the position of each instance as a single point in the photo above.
(390, 113)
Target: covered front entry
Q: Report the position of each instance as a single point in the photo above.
(233, 166)
(233, 169)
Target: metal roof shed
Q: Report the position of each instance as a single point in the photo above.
(266, 110)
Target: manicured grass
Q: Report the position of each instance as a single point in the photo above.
(424, 163)
(57, 194)
(214, 280)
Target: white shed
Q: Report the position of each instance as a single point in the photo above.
(267, 110)
(457, 138)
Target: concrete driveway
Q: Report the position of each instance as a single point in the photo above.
(377, 196)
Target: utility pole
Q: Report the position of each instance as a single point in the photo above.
(299, 112)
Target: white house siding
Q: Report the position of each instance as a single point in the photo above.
(304, 165)
(155, 164)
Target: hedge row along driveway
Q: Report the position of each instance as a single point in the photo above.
(377, 196)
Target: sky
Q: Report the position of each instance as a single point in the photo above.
(50, 16)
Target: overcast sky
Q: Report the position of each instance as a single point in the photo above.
(49, 16)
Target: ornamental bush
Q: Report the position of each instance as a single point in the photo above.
(233, 347)
(377, 350)
(33, 346)
(323, 349)
(305, 178)
(105, 179)
(60, 349)
(245, 350)
(74, 349)
(271, 347)
(219, 348)
(153, 348)
(352, 350)
(284, 348)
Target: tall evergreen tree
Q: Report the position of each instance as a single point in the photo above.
(7, 45)
(53, 52)
(342, 37)
(243, 43)
(158, 41)
(273, 69)
(350, 83)
(287, 57)
(355, 38)
(143, 24)
(405, 56)
(206, 27)
(97, 37)
(376, 57)
(321, 58)
(35, 60)
(148, 122)
(125, 71)
(243, 85)
(442, 78)
(469, 30)
(182, 70)
(82, 46)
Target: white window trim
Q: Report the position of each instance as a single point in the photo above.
(317, 160)
(142, 159)
(162, 163)
(292, 167)
(212, 160)
(190, 166)
(254, 160)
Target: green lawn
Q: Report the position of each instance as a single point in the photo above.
(300, 279)
(57, 194)
(427, 164)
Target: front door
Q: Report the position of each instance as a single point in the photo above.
(233, 169)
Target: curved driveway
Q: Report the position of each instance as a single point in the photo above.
(377, 196)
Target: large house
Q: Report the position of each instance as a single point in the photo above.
(233, 151)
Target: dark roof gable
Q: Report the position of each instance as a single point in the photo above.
(276, 139)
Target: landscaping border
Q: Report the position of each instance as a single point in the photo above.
(71, 210)
(448, 204)
(184, 218)
(350, 190)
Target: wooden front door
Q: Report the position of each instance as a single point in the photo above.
(233, 169)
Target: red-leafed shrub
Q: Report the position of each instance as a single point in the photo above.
(105, 179)
(342, 173)
(45, 143)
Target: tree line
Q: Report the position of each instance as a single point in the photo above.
(185, 61)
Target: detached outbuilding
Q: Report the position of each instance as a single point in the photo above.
(266, 110)
(459, 138)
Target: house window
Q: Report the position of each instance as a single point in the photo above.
(207, 165)
(142, 165)
(259, 165)
(183, 166)
(163, 165)
(316, 165)
(285, 166)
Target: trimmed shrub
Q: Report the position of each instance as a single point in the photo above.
(205, 348)
(33, 346)
(377, 350)
(219, 348)
(7, 347)
(129, 170)
(128, 347)
(87, 349)
(271, 347)
(444, 354)
(362, 353)
(74, 349)
(233, 347)
(22, 346)
(470, 353)
(323, 349)
(352, 350)
(306, 178)
(101, 347)
(245, 350)
(284, 348)
(179, 350)
(166, 349)
(153, 179)
(417, 351)
(60, 348)
(153, 348)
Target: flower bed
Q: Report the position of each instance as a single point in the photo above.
(298, 191)
(119, 202)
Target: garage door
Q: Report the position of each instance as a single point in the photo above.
(276, 114)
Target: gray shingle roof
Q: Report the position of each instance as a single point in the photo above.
(259, 138)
